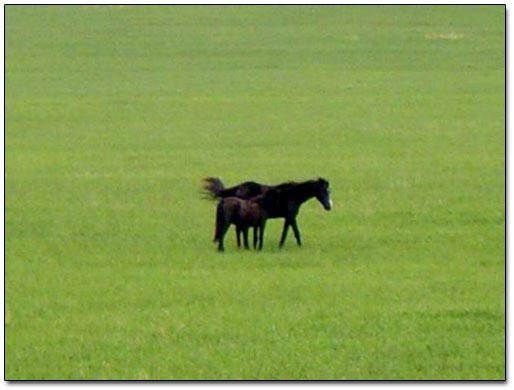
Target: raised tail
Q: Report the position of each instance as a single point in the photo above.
(212, 187)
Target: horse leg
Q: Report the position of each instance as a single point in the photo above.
(255, 236)
(220, 245)
(221, 248)
(238, 236)
(284, 233)
(261, 238)
(296, 232)
(245, 237)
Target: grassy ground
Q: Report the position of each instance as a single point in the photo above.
(114, 114)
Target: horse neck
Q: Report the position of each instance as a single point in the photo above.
(301, 192)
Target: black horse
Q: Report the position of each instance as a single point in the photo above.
(244, 213)
(287, 201)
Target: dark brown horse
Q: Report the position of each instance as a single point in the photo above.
(243, 213)
(287, 199)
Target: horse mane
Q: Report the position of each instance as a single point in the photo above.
(292, 185)
(286, 185)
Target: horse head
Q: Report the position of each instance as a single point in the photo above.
(323, 193)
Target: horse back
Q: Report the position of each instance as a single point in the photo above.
(249, 189)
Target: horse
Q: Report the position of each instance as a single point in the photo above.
(243, 213)
(288, 199)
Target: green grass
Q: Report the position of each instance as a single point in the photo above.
(114, 114)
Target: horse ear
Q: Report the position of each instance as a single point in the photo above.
(323, 181)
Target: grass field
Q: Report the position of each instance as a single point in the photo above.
(114, 114)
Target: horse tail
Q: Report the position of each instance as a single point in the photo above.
(214, 188)
(220, 221)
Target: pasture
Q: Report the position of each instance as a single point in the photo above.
(113, 116)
